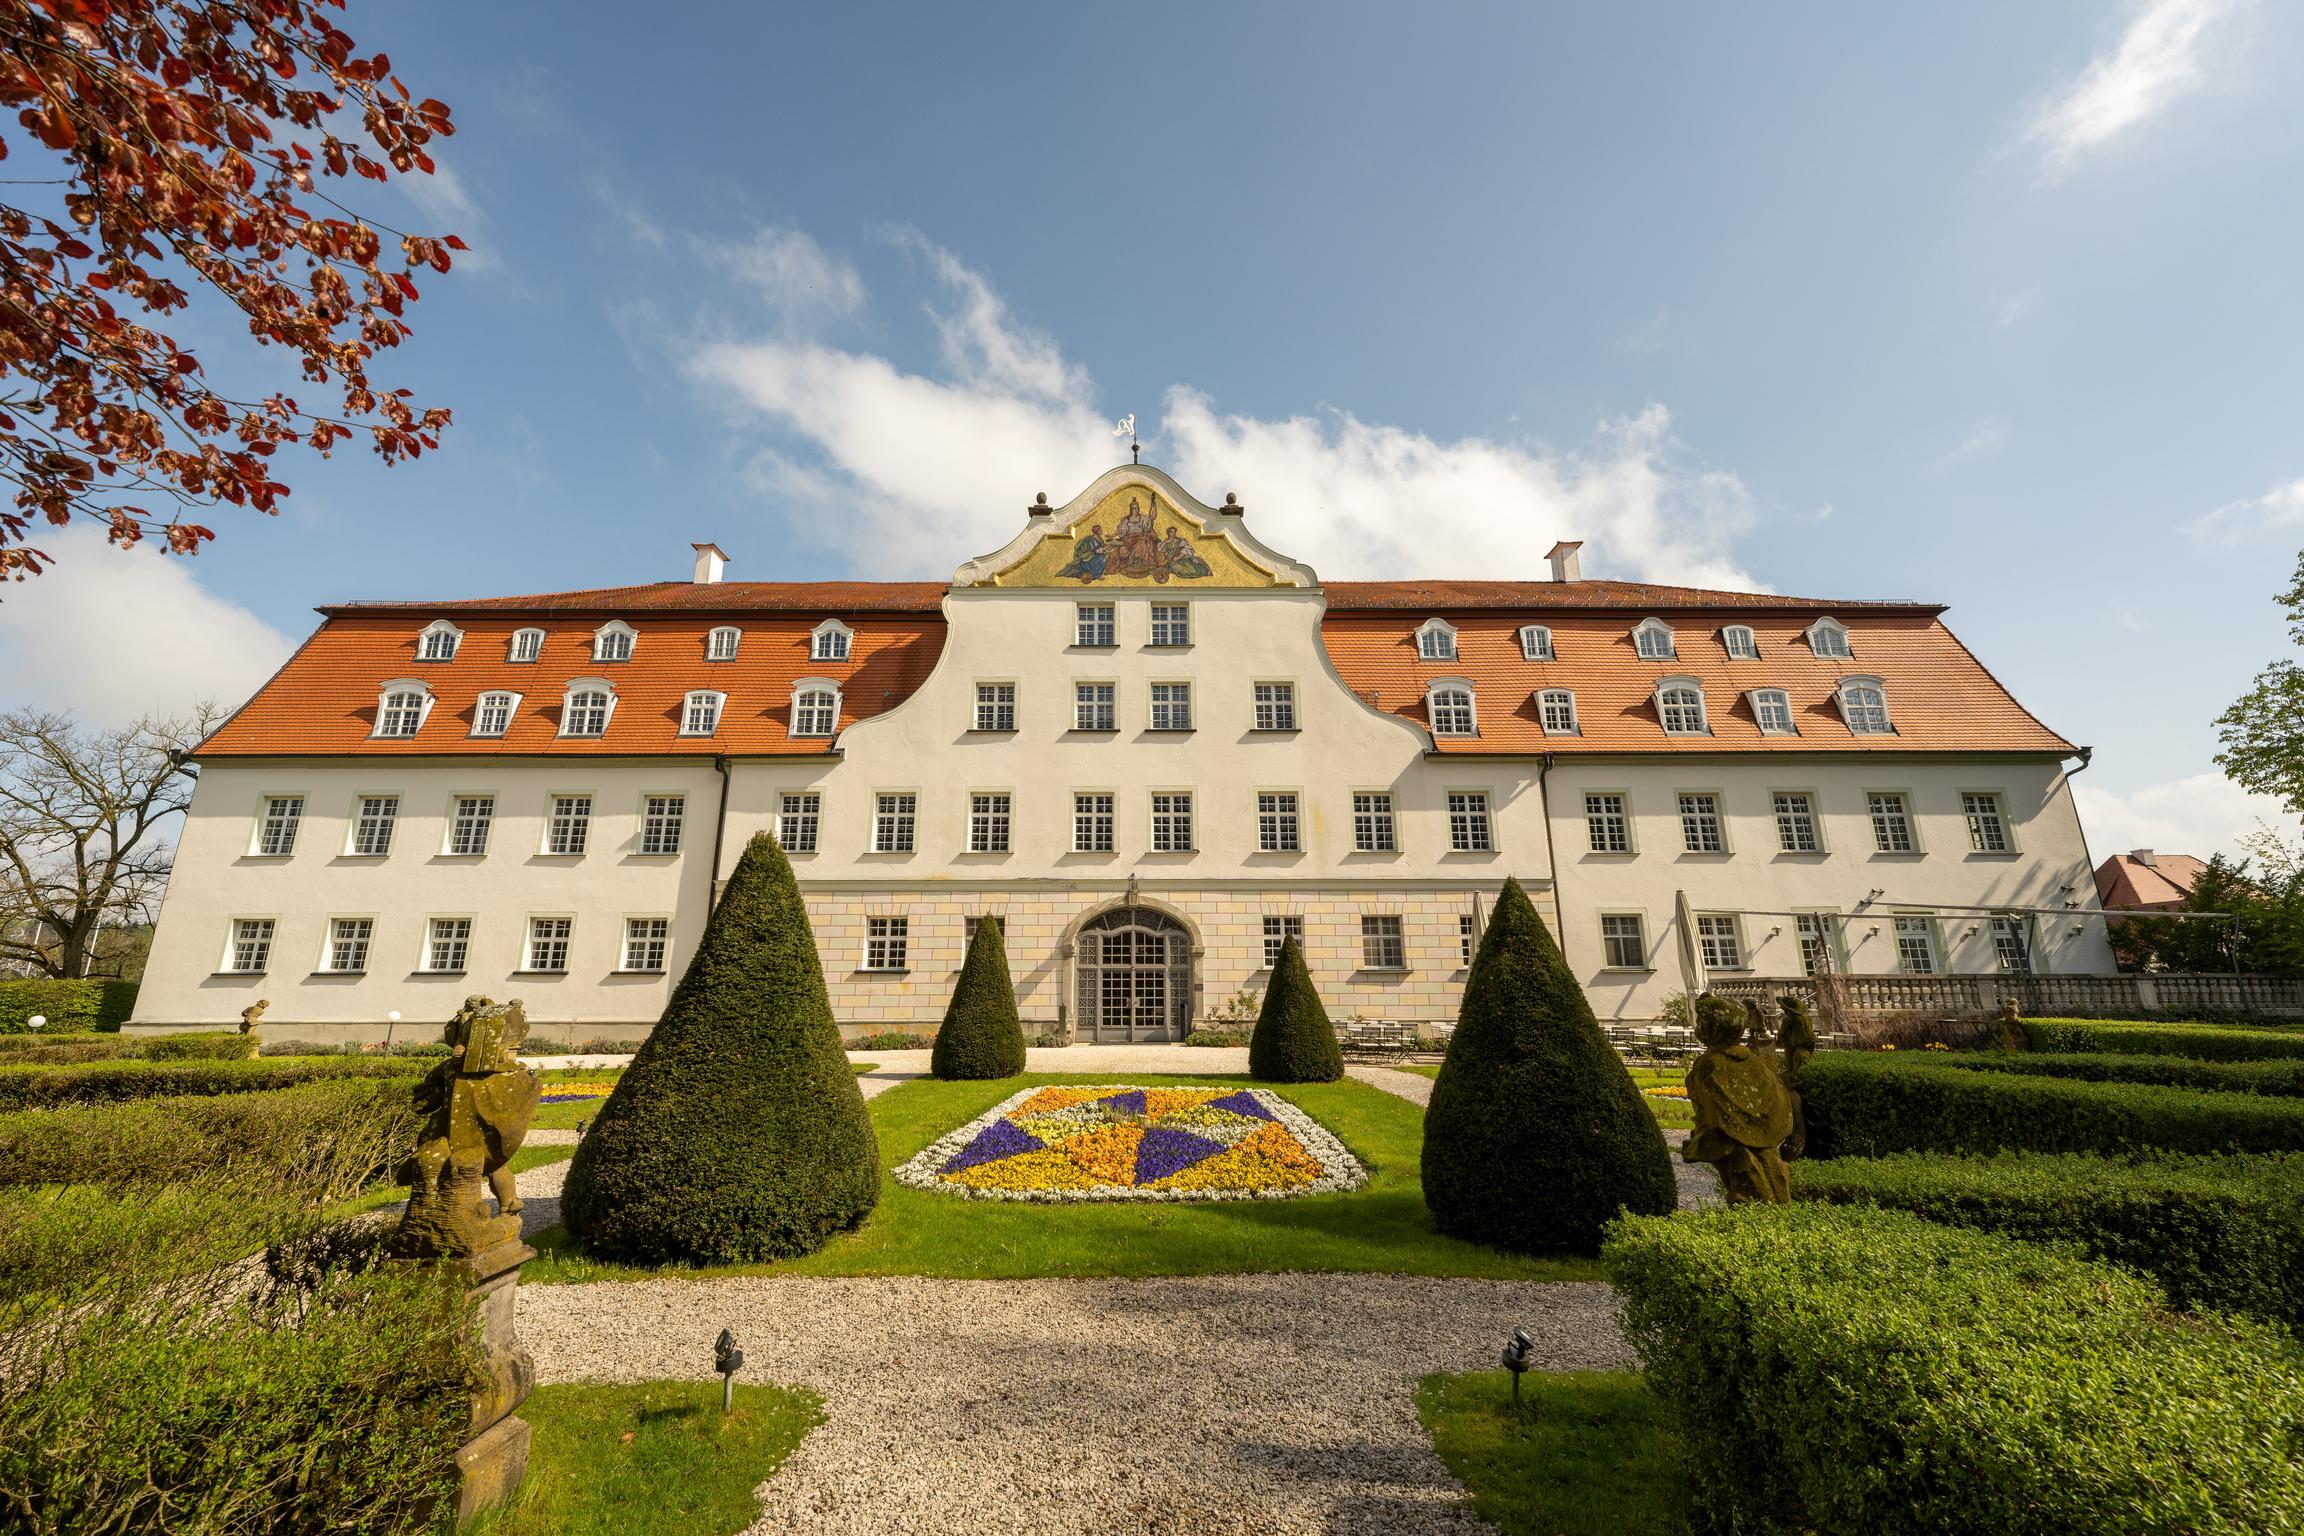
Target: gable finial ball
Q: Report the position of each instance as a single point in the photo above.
(1041, 499)
(1231, 499)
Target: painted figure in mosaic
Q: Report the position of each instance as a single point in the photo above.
(1177, 558)
(1742, 1112)
(477, 1105)
(1089, 554)
(1135, 546)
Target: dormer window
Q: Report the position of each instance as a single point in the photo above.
(1740, 643)
(1772, 708)
(1829, 638)
(1652, 639)
(831, 642)
(492, 716)
(815, 707)
(1535, 643)
(586, 710)
(1864, 705)
(700, 716)
(612, 641)
(720, 645)
(527, 645)
(438, 640)
(1436, 641)
(1450, 705)
(1556, 707)
(1680, 705)
(401, 707)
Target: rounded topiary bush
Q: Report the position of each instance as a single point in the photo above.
(1536, 1137)
(1293, 1041)
(738, 1131)
(981, 1035)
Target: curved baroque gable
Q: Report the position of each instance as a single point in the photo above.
(1135, 527)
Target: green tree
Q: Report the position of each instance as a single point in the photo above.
(982, 1036)
(738, 1131)
(2263, 731)
(1293, 1041)
(1536, 1137)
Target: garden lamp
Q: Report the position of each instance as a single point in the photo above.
(391, 1022)
(727, 1359)
(1516, 1359)
(37, 1021)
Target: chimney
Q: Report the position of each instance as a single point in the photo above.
(2146, 857)
(1565, 566)
(711, 560)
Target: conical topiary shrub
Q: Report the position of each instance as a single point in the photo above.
(1293, 1042)
(1536, 1137)
(981, 1035)
(738, 1131)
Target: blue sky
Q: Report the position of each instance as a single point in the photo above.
(1991, 305)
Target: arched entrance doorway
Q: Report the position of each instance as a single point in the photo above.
(1135, 977)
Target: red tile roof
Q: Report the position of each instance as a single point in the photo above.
(821, 598)
(1442, 597)
(2126, 883)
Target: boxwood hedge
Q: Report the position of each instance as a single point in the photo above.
(2277, 1075)
(1293, 1041)
(66, 1005)
(2202, 1042)
(1866, 1104)
(1862, 1370)
(100, 1082)
(207, 1045)
(2222, 1232)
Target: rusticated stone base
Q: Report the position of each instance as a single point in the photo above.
(490, 1466)
(495, 1458)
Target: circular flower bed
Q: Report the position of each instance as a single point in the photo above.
(1117, 1142)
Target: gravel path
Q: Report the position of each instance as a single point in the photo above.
(1210, 1404)
(1415, 1087)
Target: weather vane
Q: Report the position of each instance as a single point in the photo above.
(1126, 427)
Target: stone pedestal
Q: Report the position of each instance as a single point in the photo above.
(495, 1456)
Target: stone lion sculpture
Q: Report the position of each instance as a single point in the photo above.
(1742, 1112)
(477, 1104)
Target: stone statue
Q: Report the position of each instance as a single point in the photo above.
(1742, 1112)
(1795, 1043)
(477, 1105)
(253, 1015)
(2009, 1026)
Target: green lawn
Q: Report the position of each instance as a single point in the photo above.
(1672, 1114)
(656, 1458)
(1382, 1226)
(1590, 1454)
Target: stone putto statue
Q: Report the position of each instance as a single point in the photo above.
(477, 1105)
(1742, 1112)
(253, 1015)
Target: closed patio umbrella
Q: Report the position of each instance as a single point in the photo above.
(1692, 977)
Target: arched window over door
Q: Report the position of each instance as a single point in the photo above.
(1135, 977)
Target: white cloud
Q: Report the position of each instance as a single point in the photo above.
(1987, 437)
(2203, 815)
(2016, 308)
(112, 634)
(2156, 61)
(2280, 507)
(906, 473)
(797, 278)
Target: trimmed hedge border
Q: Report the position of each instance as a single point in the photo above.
(53, 1050)
(2222, 1232)
(67, 1005)
(2200, 1042)
(1861, 1370)
(2282, 1076)
(111, 1082)
(1867, 1104)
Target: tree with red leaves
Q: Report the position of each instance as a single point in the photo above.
(187, 135)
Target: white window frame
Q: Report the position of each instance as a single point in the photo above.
(1279, 928)
(578, 687)
(1664, 711)
(389, 820)
(711, 725)
(1646, 647)
(1828, 640)
(1095, 821)
(1087, 629)
(1444, 726)
(427, 958)
(991, 820)
(430, 633)
(1275, 704)
(1181, 813)
(661, 939)
(1815, 822)
(455, 821)
(722, 642)
(2000, 817)
(1471, 820)
(1536, 643)
(1638, 937)
(1722, 948)
(831, 641)
(803, 718)
(1435, 640)
(520, 650)
(895, 821)
(230, 964)
(1910, 820)
(1377, 941)
(2026, 931)
(290, 825)
(614, 643)
(660, 809)
(329, 940)
(995, 706)
(1740, 642)
(1824, 926)
(887, 943)
(1622, 816)
(566, 939)
(575, 823)
(480, 713)
(1375, 826)
(1095, 714)
(1924, 924)
(1791, 725)
(1719, 821)
(1162, 714)
(799, 810)
(1467, 941)
(1279, 823)
(388, 713)
(1856, 716)
(1547, 699)
(1175, 639)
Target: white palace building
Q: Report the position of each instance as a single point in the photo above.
(1147, 743)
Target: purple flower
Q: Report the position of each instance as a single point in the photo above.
(998, 1140)
(1244, 1102)
(1164, 1150)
